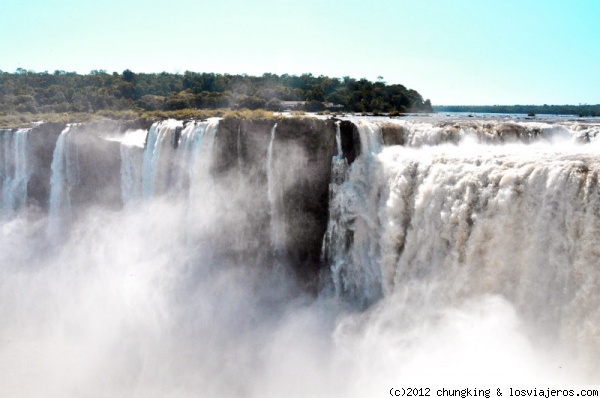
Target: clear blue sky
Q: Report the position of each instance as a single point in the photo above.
(451, 51)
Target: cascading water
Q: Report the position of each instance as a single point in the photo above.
(186, 147)
(348, 245)
(335, 242)
(458, 250)
(168, 166)
(14, 170)
(132, 150)
(201, 160)
(429, 225)
(155, 144)
(65, 176)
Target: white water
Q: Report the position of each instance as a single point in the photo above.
(201, 160)
(353, 253)
(335, 251)
(132, 150)
(157, 142)
(14, 170)
(436, 226)
(434, 132)
(453, 265)
(518, 222)
(64, 177)
(185, 169)
(182, 173)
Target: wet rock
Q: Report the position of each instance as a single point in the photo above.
(392, 134)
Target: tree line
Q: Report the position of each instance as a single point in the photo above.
(582, 110)
(26, 91)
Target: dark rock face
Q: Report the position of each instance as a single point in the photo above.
(138, 124)
(301, 169)
(392, 134)
(350, 140)
(299, 172)
(239, 169)
(99, 162)
(42, 140)
(306, 201)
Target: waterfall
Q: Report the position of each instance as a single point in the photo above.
(64, 177)
(180, 167)
(277, 226)
(451, 250)
(348, 244)
(202, 159)
(334, 249)
(431, 224)
(499, 220)
(429, 133)
(185, 146)
(14, 170)
(132, 150)
(156, 143)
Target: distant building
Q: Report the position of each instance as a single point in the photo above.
(289, 105)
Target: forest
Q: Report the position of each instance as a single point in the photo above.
(26, 91)
(582, 110)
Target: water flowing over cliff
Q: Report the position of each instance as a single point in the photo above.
(253, 257)
(14, 170)
(435, 224)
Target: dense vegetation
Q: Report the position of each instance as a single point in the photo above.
(68, 92)
(580, 110)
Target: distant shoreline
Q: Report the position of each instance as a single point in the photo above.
(566, 110)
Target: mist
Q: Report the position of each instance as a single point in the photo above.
(177, 292)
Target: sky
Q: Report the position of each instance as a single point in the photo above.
(454, 52)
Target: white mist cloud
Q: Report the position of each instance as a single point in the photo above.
(122, 308)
